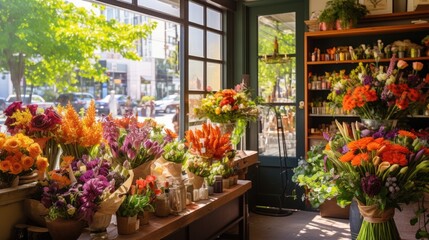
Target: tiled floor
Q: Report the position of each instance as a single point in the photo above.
(310, 225)
(299, 225)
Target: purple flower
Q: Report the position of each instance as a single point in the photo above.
(367, 80)
(371, 185)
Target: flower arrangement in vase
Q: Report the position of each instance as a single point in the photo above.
(19, 155)
(77, 135)
(133, 144)
(380, 170)
(229, 106)
(39, 124)
(376, 92)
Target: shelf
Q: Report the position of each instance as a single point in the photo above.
(359, 32)
(316, 136)
(330, 115)
(320, 90)
(365, 61)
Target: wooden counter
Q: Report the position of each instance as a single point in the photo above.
(205, 219)
(243, 160)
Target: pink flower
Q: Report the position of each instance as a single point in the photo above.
(402, 64)
(417, 66)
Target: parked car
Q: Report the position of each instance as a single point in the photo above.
(78, 100)
(102, 105)
(168, 103)
(35, 99)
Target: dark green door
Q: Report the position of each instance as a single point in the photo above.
(276, 34)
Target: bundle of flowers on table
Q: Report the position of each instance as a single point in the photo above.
(205, 146)
(37, 123)
(380, 169)
(377, 92)
(85, 189)
(19, 155)
(78, 135)
(133, 144)
(229, 106)
(174, 155)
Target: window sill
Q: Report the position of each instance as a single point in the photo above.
(16, 194)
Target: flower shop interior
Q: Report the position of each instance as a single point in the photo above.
(298, 119)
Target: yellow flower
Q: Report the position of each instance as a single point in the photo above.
(218, 110)
(27, 162)
(34, 150)
(16, 168)
(5, 165)
(22, 118)
(42, 164)
(11, 145)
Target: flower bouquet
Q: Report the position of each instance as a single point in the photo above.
(376, 92)
(380, 170)
(19, 155)
(41, 125)
(229, 106)
(133, 144)
(174, 155)
(205, 146)
(79, 135)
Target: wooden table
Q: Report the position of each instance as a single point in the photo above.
(243, 160)
(202, 220)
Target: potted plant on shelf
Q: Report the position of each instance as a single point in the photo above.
(317, 176)
(345, 13)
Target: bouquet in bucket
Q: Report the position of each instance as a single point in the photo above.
(39, 124)
(380, 169)
(19, 155)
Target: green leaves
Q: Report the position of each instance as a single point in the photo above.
(65, 39)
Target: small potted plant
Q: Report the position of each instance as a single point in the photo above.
(317, 176)
(134, 203)
(345, 13)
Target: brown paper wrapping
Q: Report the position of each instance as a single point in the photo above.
(373, 214)
(142, 171)
(112, 203)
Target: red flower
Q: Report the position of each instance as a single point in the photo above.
(15, 106)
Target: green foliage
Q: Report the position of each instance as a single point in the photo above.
(317, 176)
(345, 10)
(134, 204)
(47, 50)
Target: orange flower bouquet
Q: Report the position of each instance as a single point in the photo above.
(78, 135)
(19, 155)
(376, 92)
(205, 146)
(380, 170)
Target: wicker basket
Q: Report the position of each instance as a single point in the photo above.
(313, 25)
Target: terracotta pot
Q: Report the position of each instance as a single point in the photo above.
(64, 229)
(127, 225)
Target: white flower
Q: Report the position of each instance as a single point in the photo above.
(382, 77)
(226, 108)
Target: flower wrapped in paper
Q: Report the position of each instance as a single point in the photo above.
(133, 144)
(381, 169)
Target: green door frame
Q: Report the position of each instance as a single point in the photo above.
(248, 15)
